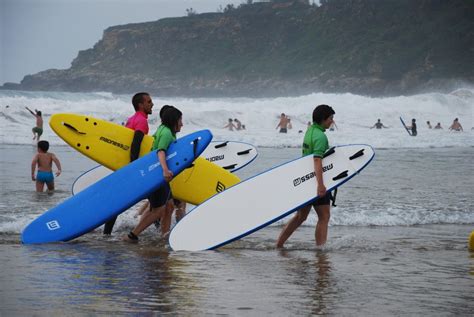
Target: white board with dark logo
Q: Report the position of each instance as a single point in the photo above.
(265, 198)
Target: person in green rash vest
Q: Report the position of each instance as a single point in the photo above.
(165, 134)
(316, 143)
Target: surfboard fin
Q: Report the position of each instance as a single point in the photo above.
(221, 145)
(341, 175)
(244, 152)
(357, 154)
(67, 125)
(329, 152)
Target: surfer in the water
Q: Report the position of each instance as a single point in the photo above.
(315, 143)
(378, 125)
(413, 127)
(456, 126)
(143, 105)
(283, 124)
(159, 199)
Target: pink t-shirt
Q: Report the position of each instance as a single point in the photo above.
(138, 122)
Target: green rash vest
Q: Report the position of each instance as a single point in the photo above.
(163, 138)
(315, 141)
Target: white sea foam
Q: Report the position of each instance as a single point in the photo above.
(354, 115)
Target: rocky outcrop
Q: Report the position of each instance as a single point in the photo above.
(281, 48)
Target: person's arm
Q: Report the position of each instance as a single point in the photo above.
(30, 111)
(167, 174)
(318, 169)
(57, 163)
(33, 167)
(136, 143)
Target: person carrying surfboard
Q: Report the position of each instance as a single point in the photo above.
(316, 143)
(143, 105)
(412, 127)
(165, 134)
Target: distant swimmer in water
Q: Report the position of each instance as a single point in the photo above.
(38, 129)
(378, 125)
(239, 125)
(413, 127)
(438, 126)
(429, 125)
(456, 126)
(283, 124)
(44, 161)
(230, 125)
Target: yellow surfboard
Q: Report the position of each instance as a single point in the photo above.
(108, 144)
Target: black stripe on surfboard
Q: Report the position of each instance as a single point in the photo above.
(329, 152)
(221, 145)
(67, 125)
(244, 152)
(341, 175)
(357, 154)
(229, 167)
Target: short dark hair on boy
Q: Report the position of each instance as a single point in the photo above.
(138, 98)
(322, 112)
(43, 146)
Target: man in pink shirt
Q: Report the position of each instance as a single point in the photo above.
(139, 123)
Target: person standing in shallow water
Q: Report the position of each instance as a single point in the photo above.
(316, 143)
(413, 127)
(171, 124)
(38, 129)
(143, 106)
(283, 124)
(44, 161)
(378, 125)
(456, 126)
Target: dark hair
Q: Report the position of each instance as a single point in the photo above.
(138, 98)
(43, 145)
(170, 118)
(38, 113)
(321, 113)
(163, 110)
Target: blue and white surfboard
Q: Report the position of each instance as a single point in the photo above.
(265, 198)
(113, 194)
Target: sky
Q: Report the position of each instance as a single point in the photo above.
(36, 35)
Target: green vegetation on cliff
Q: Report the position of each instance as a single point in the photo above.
(281, 47)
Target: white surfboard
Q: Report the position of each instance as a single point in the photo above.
(265, 198)
(230, 155)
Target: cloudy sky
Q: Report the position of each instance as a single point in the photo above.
(36, 35)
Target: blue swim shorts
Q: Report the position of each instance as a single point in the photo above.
(45, 177)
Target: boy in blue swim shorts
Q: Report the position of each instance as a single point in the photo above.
(44, 161)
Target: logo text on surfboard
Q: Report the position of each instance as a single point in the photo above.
(53, 225)
(215, 158)
(115, 143)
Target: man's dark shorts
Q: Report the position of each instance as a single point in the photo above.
(160, 196)
(323, 201)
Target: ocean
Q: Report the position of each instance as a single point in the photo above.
(397, 238)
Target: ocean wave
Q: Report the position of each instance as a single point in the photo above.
(354, 116)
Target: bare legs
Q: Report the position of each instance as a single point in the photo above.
(321, 231)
